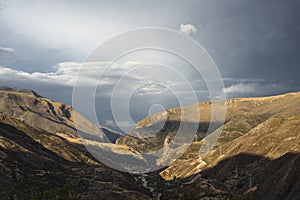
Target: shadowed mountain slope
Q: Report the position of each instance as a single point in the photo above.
(243, 176)
(42, 157)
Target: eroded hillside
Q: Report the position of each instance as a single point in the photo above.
(42, 156)
(258, 134)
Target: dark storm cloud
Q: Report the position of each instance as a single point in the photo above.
(257, 39)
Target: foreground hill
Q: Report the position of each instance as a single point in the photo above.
(267, 126)
(259, 134)
(42, 157)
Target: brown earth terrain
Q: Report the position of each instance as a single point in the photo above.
(257, 155)
(42, 157)
(267, 129)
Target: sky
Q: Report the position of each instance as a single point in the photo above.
(255, 45)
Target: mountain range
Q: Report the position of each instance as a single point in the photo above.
(256, 156)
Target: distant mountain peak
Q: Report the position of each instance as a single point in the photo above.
(25, 91)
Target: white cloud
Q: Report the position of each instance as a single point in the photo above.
(241, 88)
(152, 89)
(254, 89)
(66, 74)
(6, 50)
(187, 29)
(8, 74)
(6, 54)
(244, 80)
(124, 77)
(109, 123)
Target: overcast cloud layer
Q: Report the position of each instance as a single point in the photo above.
(255, 44)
